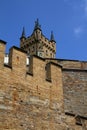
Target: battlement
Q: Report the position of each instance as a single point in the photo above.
(38, 68)
(37, 90)
(17, 60)
(2, 51)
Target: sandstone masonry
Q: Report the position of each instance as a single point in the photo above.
(46, 94)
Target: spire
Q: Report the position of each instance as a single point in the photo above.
(23, 33)
(52, 36)
(37, 25)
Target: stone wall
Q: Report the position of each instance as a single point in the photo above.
(28, 99)
(72, 64)
(75, 91)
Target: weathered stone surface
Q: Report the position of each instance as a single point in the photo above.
(28, 101)
(75, 86)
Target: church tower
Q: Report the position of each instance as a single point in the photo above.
(37, 43)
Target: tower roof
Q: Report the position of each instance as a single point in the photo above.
(37, 25)
(52, 37)
(23, 33)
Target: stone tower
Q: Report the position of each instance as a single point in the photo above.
(37, 43)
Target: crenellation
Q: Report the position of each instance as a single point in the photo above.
(2, 52)
(17, 59)
(17, 62)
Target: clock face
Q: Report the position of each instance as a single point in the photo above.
(40, 54)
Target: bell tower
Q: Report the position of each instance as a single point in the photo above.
(37, 43)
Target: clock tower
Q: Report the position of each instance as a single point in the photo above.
(37, 43)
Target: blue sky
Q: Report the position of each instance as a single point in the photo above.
(66, 18)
